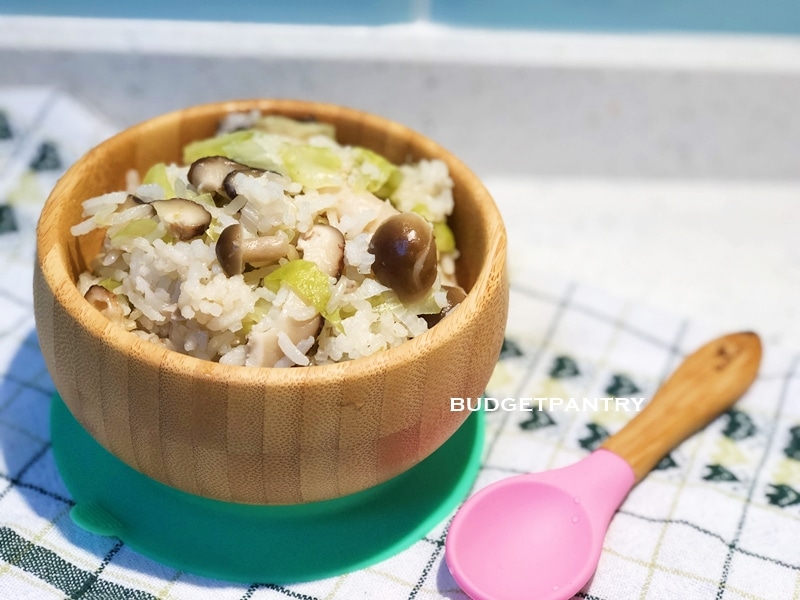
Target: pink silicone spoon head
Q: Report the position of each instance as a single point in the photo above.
(539, 536)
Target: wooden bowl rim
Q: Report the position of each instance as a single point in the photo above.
(54, 261)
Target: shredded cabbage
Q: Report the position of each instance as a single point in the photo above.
(158, 174)
(306, 280)
(312, 166)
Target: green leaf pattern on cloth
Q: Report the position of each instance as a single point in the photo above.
(666, 463)
(740, 426)
(510, 349)
(793, 449)
(8, 222)
(596, 436)
(783, 496)
(621, 386)
(537, 420)
(719, 473)
(5, 127)
(564, 367)
(47, 158)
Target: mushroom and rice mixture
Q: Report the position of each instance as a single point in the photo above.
(275, 246)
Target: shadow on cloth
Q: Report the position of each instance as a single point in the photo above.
(35, 502)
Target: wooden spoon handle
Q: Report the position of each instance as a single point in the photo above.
(707, 383)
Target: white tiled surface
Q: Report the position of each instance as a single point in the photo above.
(664, 169)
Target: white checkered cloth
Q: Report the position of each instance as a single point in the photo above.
(718, 519)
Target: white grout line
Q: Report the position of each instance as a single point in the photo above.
(419, 41)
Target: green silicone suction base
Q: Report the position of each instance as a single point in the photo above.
(248, 543)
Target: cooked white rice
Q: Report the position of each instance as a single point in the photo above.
(176, 293)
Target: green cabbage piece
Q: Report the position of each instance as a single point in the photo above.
(312, 166)
(301, 130)
(109, 284)
(306, 280)
(135, 229)
(221, 145)
(444, 238)
(204, 200)
(423, 212)
(158, 174)
(386, 302)
(391, 185)
(260, 310)
(247, 146)
(442, 234)
(374, 173)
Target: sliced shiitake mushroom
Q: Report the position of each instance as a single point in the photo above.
(233, 179)
(234, 251)
(324, 246)
(184, 219)
(132, 200)
(263, 347)
(208, 174)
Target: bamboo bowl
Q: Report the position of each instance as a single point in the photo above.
(259, 435)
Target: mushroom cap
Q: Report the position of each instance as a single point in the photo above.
(405, 256)
(234, 250)
(208, 174)
(184, 219)
(230, 185)
(229, 249)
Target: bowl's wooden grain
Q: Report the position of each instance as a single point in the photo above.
(266, 436)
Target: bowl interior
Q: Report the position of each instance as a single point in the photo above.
(162, 140)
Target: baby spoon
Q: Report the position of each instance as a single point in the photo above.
(538, 536)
